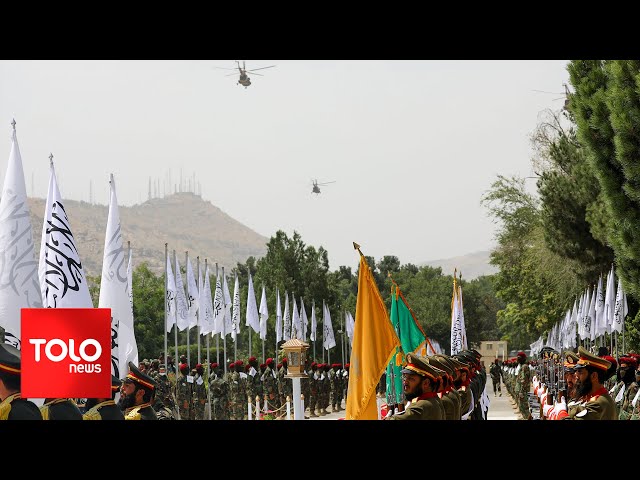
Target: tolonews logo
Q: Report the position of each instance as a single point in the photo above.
(66, 352)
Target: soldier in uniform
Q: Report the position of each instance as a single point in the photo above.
(523, 385)
(494, 371)
(136, 395)
(219, 394)
(12, 405)
(199, 398)
(184, 392)
(269, 386)
(240, 377)
(252, 379)
(448, 394)
(233, 389)
(627, 375)
(313, 389)
(104, 408)
(163, 399)
(420, 385)
(594, 401)
(60, 409)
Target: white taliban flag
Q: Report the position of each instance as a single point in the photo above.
(252, 318)
(314, 323)
(329, 340)
(130, 289)
(295, 321)
(193, 297)
(218, 308)
(114, 291)
(62, 280)
(235, 310)
(264, 314)
(206, 301)
(286, 329)
(19, 284)
(621, 309)
(228, 324)
(601, 321)
(610, 300)
(349, 324)
(278, 317)
(182, 309)
(170, 296)
(304, 321)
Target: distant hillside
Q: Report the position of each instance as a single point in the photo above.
(183, 220)
(472, 265)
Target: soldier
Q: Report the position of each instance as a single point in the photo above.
(153, 368)
(449, 396)
(184, 392)
(219, 394)
(60, 409)
(164, 398)
(199, 391)
(241, 394)
(233, 389)
(252, 381)
(627, 392)
(12, 405)
(325, 388)
(594, 401)
(313, 389)
(494, 371)
(335, 387)
(136, 395)
(104, 408)
(304, 384)
(269, 386)
(523, 385)
(419, 384)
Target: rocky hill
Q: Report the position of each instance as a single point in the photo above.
(184, 221)
(472, 265)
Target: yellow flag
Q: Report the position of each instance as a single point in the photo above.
(374, 345)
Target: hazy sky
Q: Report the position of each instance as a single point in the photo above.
(411, 145)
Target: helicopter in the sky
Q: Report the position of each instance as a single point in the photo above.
(316, 186)
(244, 79)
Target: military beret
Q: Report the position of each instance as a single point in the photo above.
(279, 366)
(214, 365)
(239, 363)
(347, 365)
(263, 366)
(630, 361)
(232, 365)
(252, 359)
(522, 354)
(284, 360)
(198, 365)
(269, 361)
(9, 359)
(314, 364)
(135, 375)
(115, 383)
(184, 367)
(247, 367)
(589, 359)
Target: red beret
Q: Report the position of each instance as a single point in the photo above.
(609, 358)
(269, 361)
(232, 365)
(522, 354)
(252, 359)
(239, 363)
(314, 364)
(214, 365)
(629, 361)
(284, 360)
(198, 365)
(347, 365)
(263, 365)
(279, 366)
(247, 367)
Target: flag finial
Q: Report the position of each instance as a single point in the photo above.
(13, 124)
(357, 247)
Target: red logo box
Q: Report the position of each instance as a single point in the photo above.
(66, 352)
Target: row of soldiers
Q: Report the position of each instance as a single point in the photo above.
(580, 386)
(187, 394)
(442, 387)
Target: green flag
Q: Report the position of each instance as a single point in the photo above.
(412, 339)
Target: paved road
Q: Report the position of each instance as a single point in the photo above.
(500, 408)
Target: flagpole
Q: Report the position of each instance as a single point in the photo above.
(265, 334)
(276, 350)
(166, 282)
(218, 337)
(177, 359)
(224, 326)
(186, 263)
(208, 358)
(342, 333)
(323, 320)
(199, 310)
(313, 307)
(206, 264)
(235, 341)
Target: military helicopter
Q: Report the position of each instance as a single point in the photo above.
(316, 186)
(244, 79)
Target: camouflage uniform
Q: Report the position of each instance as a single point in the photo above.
(163, 396)
(333, 387)
(269, 386)
(250, 387)
(219, 397)
(184, 393)
(233, 386)
(313, 389)
(200, 395)
(523, 385)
